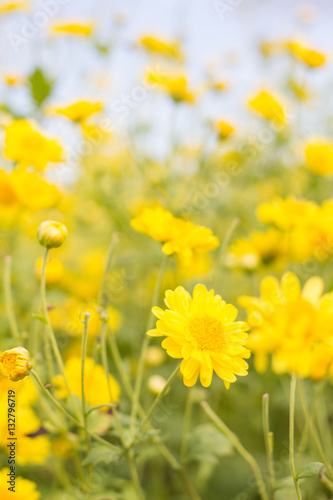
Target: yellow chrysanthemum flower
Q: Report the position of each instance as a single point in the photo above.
(163, 47)
(96, 387)
(51, 234)
(174, 84)
(79, 111)
(287, 213)
(223, 129)
(293, 326)
(26, 145)
(310, 57)
(269, 107)
(13, 6)
(24, 488)
(202, 330)
(319, 157)
(15, 363)
(78, 29)
(178, 236)
(33, 192)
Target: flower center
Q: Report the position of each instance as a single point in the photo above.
(208, 332)
(9, 362)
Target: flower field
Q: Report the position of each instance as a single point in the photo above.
(166, 244)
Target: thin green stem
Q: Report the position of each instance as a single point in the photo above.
(158, 398)
(186, 426)
(221, 255)
(268, 436)
(293, 382)
(7, 273)
(83, 362)
(69, 416)
(134, 475)
(144, 346)
(51, 335)
(239, 447)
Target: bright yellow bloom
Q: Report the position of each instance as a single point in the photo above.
(269, 107)
(178, 236)
(310, 57)
(293, 326)
(96, 387)
(224, 129)
(24, 489)
(173, 84)
(13, 6)
(54, 270)
(202, 330)
(78, 111)
(26, 145)
(51, 234)
(15, 364)
(319, 157)
(80, 29)
(163, 47)
(33, 192)
(287, 213)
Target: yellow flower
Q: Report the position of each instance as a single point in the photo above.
(179, 237)
(163, 47)
(33, 192)
(7, 194)
(78, 111)
(287, 213)
(80, 29)
(26, 145)
(13, 79)
(13, 6)
(310, 57)
(96, 387)
(319, 157)
(293, 326)
(269, 107)
(15, 364)
(24, 488)
(156, 384)
(51, 234)
(224, 129)
(173, 84)
(204, 333)
(54, 270)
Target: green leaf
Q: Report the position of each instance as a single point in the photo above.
(40, 317)
(310, 470)
(207, 444)
(100, 453)
(40, 86)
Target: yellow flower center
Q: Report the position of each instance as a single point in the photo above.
(207, 332)
(9, 362)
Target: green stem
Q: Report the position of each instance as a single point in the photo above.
(223, 249)
(158, 398)
(134, 475)
(268, 436)
(239, 447)
(312, 428)
(186, 426)
(69, 416)
(292, 434)
(52, 336)
(83, 362)
(144, 347)
(9, 299)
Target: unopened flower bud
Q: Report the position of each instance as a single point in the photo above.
(15, 364)
(51, 234)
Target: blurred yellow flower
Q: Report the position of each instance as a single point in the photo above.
(268, 106)
(319, 157)
(223, 129)
(163, 47)
(24, 488)
(310, 57)
(293, 326)
(13, 6)
(156, 384)
(13, 79)
(15, 363)
(178, 236)
(80, 29)
(174, 84)
(27, 146)
(204, 333)
(33, 192)
(79, 111)
(287, 213)
(96, 386)
(54, 270)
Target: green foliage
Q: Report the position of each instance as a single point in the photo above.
(40, 86)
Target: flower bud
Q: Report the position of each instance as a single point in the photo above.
(51, 234)
(15, 364)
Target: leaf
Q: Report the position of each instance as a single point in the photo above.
(208, 444)
(310, 470)
(40, 86)
(40, 317)
(100, 453)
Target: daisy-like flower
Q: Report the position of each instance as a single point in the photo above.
(319, 157)
(294, 326)
(15, 364)
(174, 84)
(202, 330)
(178, 236)
(75, 29)
(162, 47)
(311, 57)
(269, 107)
(78, 111)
